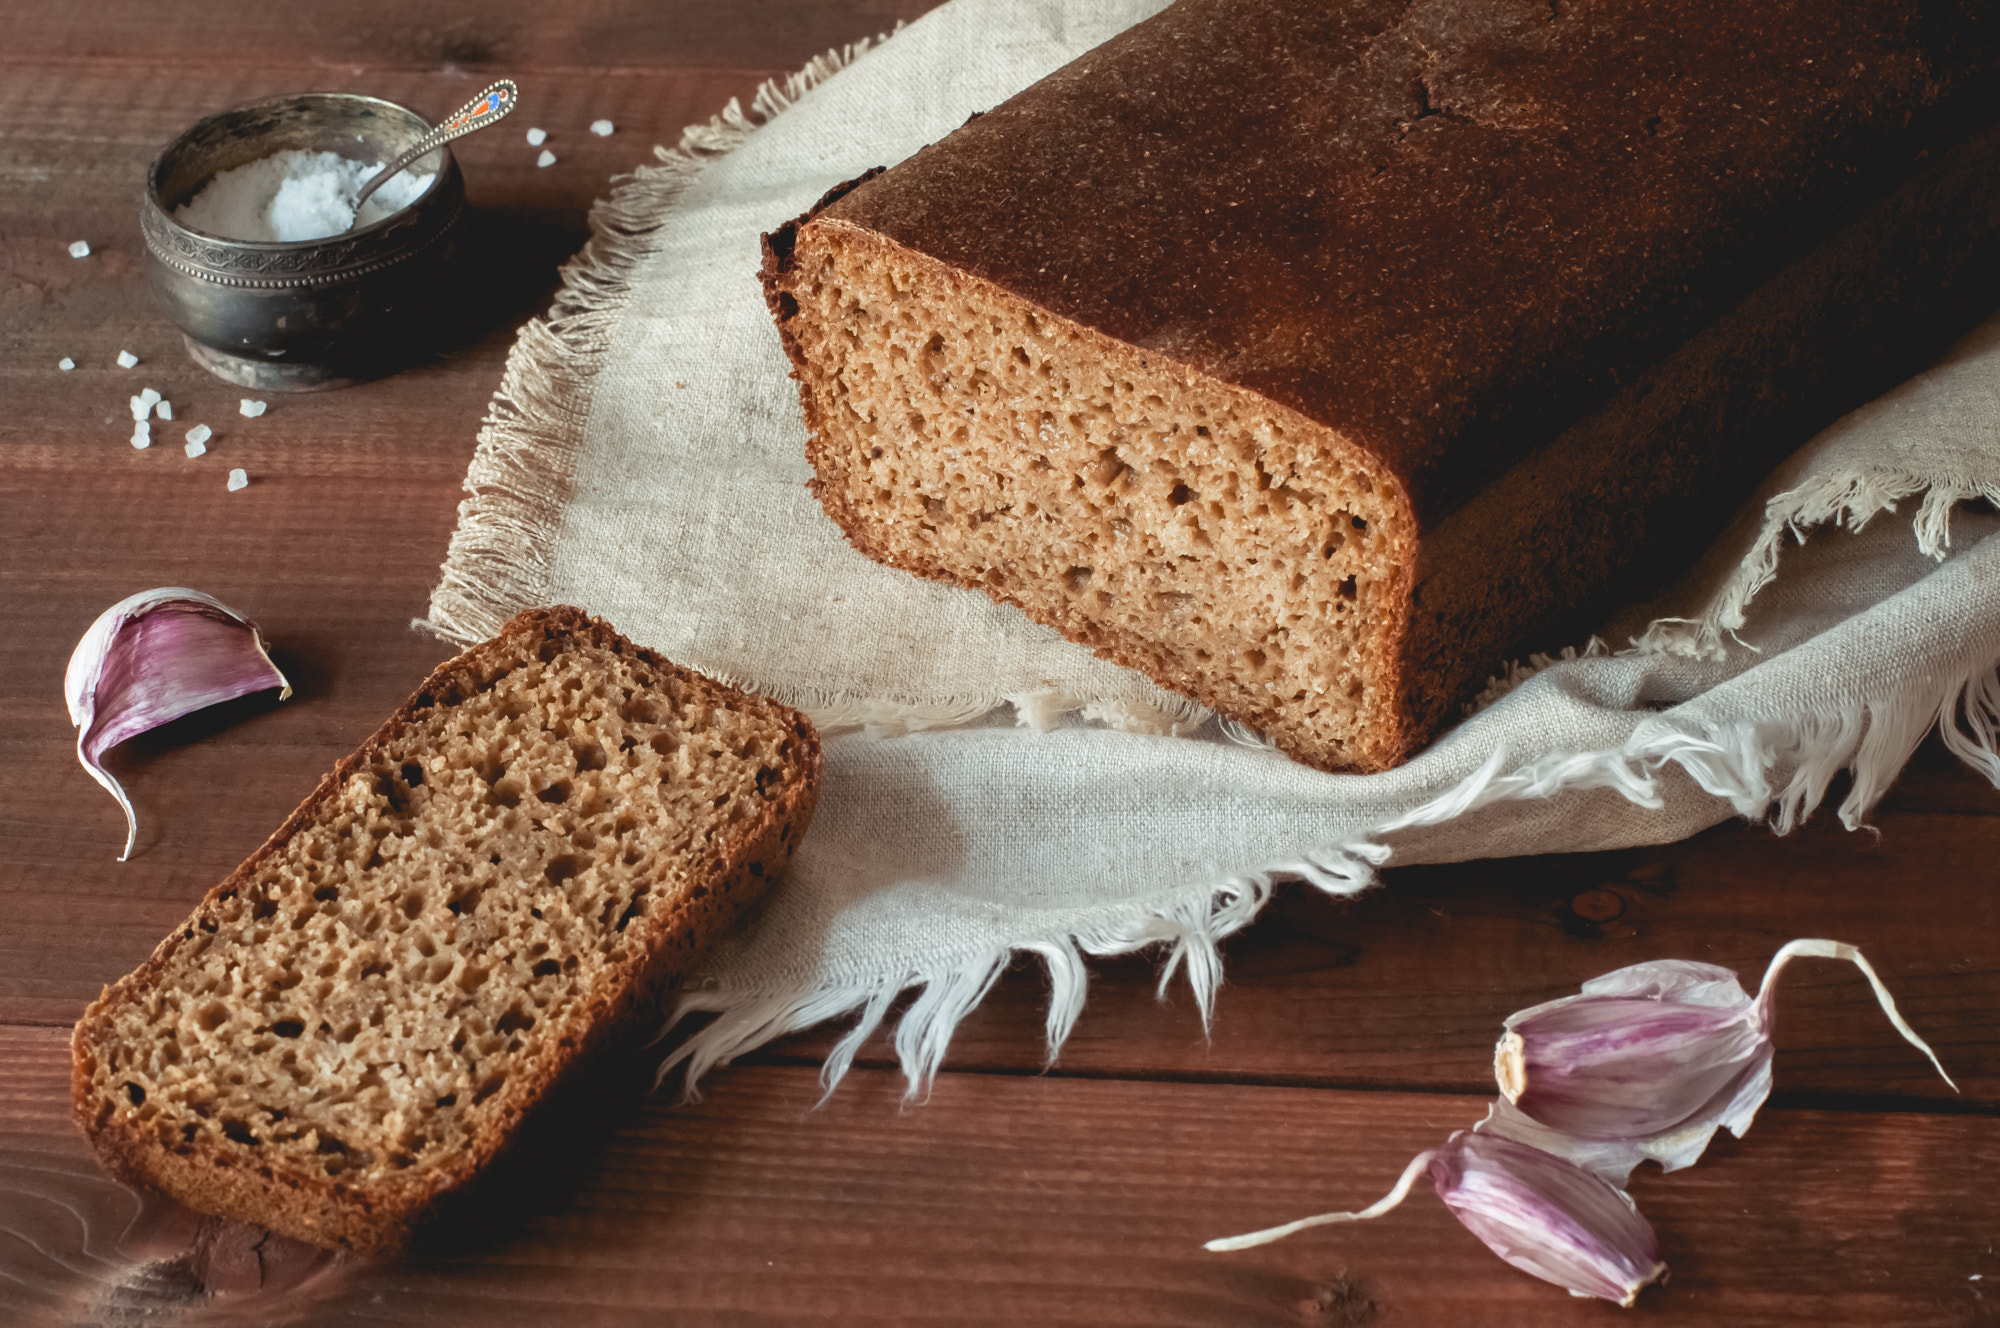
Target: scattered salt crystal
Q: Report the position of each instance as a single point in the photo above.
(142, 435)
(150, 396)
(165, 410)
(602, 128)
(295, 195)
(194, 449)
(65, 364)
(547, 158)
(252, 409)
(126, 359)
(239, 479)
(537, 137)
(201, 433)
(141, 408)
(81, 249)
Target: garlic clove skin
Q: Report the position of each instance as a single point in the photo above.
(1621, 1067)
(152, 658)
(1548, 1217)
(1648, 1062)
(1646, 1054)
(1822, 949)
(1541, 1213)
(1614, 1159)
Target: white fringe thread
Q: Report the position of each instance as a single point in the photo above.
(1851, 498)
(1773, 771)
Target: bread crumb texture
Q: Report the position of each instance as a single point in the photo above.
(1223, 545)
(390, 985)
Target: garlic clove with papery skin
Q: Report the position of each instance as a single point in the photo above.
(1648, 1062)
(152, 658)
(1539, 1212)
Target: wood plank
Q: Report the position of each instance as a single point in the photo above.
(1050, 1201)
(502, 36)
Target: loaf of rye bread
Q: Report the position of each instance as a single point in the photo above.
(506, 878)
(1313, 357)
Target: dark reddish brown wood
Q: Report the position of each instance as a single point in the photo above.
(1009, 1199)
(1348, 1036)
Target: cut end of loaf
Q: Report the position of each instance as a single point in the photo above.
(1226, 546)
(519, 863)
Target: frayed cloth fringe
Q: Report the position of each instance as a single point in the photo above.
(1191, 929)
(521, 475)
(1777, 771)
(1852, 498)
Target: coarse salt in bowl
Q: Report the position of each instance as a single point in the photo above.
(313, 311)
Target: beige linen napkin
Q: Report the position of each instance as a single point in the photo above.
(991, 788)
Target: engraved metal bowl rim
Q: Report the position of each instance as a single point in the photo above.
(283, 263)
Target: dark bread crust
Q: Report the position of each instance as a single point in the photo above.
(237, 1184)
(1552, 466)
(1444, 229)
(1613, 508)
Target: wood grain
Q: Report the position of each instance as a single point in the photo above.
(1074, 1202)
(1349, 1035)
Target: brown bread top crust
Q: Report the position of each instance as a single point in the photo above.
(729, 875)
(1445, 228)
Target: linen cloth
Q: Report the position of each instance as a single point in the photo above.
(991, 788)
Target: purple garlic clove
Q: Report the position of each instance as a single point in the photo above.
(1647, 1062)
(152, 658)
(1548, 1217)
(1541, 1213)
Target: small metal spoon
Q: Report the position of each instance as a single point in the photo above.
(490, 105)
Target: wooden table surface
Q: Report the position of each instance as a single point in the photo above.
(1349, 1036)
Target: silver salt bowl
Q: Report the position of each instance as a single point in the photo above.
(306, 315)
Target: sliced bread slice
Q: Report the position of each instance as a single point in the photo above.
(504, 879)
